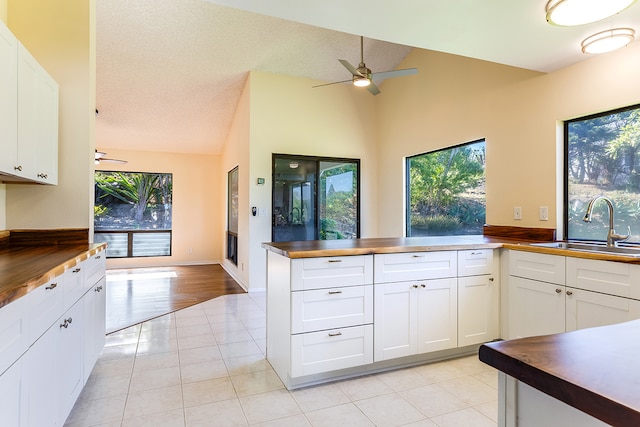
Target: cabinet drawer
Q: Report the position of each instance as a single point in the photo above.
(414, 266)
(94, 269)
(14, 331)
(74, 285)
(317, 352)
(535, 266)
(331, 308)
(614, 278)
(331, 272)
(475, 262)
(45, 307)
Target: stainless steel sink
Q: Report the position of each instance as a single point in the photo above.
(626, 250)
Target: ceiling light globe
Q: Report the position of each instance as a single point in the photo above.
(607, 41)
(578, 12)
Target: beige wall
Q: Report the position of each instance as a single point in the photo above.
(288, 116)
(236, 153)
(196, 196)
(61, 39)
(3, 11)
(455, 100)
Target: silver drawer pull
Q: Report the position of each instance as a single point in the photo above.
(335, 260)
(334, 292)
(98, 256)
(476, 253)
(52, 286)
(77, 270)
(335, 334)
(417, 256)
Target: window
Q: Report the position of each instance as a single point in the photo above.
(132, 213)
(232, 215)
(315, 198)
(446, 191)
(602, 157)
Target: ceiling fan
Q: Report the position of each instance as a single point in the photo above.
(363, 77)
(100, 157)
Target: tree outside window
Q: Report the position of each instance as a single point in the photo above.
(603, 158)
(446, 191)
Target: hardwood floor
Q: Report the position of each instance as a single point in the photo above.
(138, 294)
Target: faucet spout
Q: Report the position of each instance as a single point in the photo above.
(612, 237)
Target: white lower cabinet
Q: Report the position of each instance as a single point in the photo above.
(478, 307)
(588, 293)
(66, 330)
(13, 395)
(415, 317)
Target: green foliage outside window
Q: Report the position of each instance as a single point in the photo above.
(446, 193)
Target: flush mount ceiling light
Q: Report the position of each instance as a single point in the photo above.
(607, 41)
(577, 12)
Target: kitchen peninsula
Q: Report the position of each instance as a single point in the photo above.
(588, 377)
(339, 308)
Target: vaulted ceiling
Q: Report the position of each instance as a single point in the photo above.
(169, 73)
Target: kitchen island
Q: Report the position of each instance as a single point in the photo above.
(589, 377)
(341, 308)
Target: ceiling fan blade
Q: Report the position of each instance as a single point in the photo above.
(118, 161)
(100, 154)
(373, 88)
(394, 73)
(350, 67)
(333, 83)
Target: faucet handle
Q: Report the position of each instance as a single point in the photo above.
(619, 237)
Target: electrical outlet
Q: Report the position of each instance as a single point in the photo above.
(517, 213)
(544, 213)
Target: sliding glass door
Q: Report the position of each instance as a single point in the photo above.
(315, 198)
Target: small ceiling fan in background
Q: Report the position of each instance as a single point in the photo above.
(363, 77)
(100, 157)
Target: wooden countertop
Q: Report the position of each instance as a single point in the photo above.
(367, 246)
(24, 268)
(595, 370)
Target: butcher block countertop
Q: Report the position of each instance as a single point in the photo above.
(24, 268)
(595, 370)
(324, 248)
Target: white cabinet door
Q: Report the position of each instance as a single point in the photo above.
(13, 396)
(437, 314)
(43, 372)
(535, 308)
(477, 310)
(28, 109)
(586, 309)
(70, 357)
(395, 320)
(8, 100)
(14, 331)
(95, 325)
(47, 139)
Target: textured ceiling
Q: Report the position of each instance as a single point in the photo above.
(169, 73)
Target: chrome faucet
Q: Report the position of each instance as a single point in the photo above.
(612, 237)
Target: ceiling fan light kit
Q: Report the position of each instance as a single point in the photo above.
(566, 13)
(363, 77)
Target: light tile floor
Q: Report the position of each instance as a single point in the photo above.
(205, 366)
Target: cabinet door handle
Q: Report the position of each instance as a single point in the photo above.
(423, 285)
(334, 292)
(491, 279)
(99, 288)
(18, 168)
(569, 293)
(77, 270)
(415, 286)
(335, 260)
(66, 323)
(51, 286)
(42, 175)
(558, 291)
(335, 334)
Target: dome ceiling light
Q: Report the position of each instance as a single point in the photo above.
(567, 13)
(607, 41)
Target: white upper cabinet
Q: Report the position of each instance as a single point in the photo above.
(28, 115)
(8, 99)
